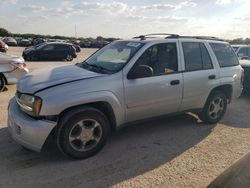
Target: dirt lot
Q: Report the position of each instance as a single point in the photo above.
(169, 152)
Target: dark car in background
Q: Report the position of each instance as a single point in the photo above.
(77, 47)
(3, 47)
(25, 43)
(245, 64)
(37, 41)
(50, 51)
(10, 41)
(85, 44)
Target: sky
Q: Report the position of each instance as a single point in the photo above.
(227, 19)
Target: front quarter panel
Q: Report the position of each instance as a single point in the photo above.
(105, 89)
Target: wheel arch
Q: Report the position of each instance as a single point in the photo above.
(227, 89)
(103, 106)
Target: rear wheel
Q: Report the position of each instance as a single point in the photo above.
(83, 133)
(2, 82)
(69, 57)
(214, 108)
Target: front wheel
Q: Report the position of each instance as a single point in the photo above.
(214, 108)
(2, 83)
(83, 133)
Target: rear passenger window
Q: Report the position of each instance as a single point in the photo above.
(196, 56)
(243, 52)
(62, 47)
(224, 54)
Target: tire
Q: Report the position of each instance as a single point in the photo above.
(214, 108)
(2, 83)
(82, 133)
(69, 57)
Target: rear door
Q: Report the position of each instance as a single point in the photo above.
(62, 51)
(47, 52)
(200, 74)
(159, 94)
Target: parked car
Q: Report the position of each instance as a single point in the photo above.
(50, 51)
(238, 175)
(242, 51)
(77, 47)
(3, 47)
(126, 81)
(37, 41)
(85, 44)
(25, 43)
(245, 64)
(11, 69)
(10, 41)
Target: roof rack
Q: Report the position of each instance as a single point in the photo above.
(144, 37)
(202, 37)
(168, 36)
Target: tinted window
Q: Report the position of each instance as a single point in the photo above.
(207, 62)
(224, 54)
(192, 55)
(61, 47)
(243, 52)
(49, 47)
(162, 58)
(249, 52)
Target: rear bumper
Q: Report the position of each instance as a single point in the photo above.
(27, 131)
(15, 75)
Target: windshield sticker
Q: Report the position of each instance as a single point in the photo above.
(134, 44)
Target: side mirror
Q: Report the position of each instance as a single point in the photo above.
(141, 71)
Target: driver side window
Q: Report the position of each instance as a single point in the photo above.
(162, 58)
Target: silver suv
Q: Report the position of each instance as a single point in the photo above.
(126, 81)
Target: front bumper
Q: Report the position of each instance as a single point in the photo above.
(27, 131)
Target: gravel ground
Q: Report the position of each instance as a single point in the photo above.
(168, 152)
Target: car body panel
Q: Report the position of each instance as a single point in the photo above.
(11, 72)
(29, 132)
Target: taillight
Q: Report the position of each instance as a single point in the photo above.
(20, 65)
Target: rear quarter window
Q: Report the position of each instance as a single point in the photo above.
(225, 54)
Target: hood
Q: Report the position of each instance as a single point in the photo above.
(245, 63)
(7, 58)
(49, 77)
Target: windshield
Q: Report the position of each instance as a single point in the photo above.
(114, 56)
(39, 46)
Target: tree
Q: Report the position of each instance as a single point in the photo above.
(4, 32)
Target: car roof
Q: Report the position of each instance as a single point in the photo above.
(64, 43)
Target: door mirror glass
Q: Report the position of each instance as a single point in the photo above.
(141, 71)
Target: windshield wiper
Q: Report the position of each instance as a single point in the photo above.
(98, 67)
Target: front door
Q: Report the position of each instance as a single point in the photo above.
(160, 93)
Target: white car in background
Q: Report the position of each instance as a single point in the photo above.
(11, 69)
(242, 51)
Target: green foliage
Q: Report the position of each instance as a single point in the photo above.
(4, 32)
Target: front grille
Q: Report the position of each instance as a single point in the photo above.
(18, 94)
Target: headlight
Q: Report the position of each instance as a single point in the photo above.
(29, 103)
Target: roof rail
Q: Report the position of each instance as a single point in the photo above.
(202, 37)
(144, 37)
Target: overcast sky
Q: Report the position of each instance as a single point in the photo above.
(221, 18)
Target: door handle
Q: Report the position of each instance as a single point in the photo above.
(211, 77)
(175, 82)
